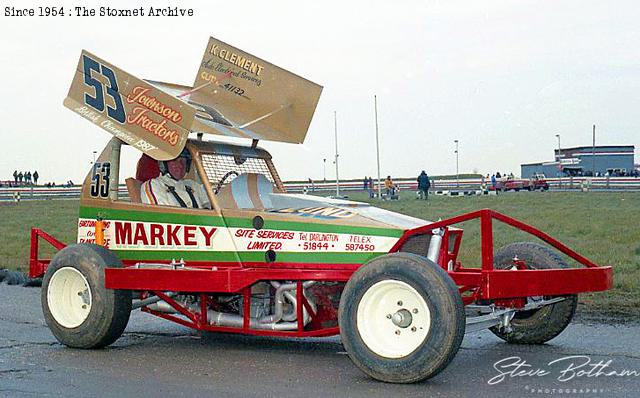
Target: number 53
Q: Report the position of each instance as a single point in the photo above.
(97, 102)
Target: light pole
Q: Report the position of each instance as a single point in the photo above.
(324, 169)
(457, 169)
(375, 107)
(593, 153)
(559, 162)
(335, 125)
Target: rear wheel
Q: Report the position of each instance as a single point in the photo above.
(401, 318)
(78, 309)
(538, 325)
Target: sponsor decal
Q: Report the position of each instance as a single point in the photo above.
(144, 113)
(147, 235)
(132, 235)
(317, 212)
(236, 59)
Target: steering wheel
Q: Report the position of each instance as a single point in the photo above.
(223, 179)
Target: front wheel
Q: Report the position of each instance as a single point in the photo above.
(78, 309)
(401, 318)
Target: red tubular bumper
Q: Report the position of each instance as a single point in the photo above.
(488, 283)
(37, 266)
(552, 282)
(499, 284)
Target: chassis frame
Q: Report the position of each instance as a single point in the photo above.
(506, 290)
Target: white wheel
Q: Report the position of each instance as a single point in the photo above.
(77, 307)
(387, 310)
(69, 297)
(393, 319)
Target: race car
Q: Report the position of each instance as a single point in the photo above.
(262, 261)
(510, 183)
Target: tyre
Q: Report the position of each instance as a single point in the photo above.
(543, 324)
(78, 309)
(401, 318)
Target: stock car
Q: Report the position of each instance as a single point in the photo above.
(262, 261)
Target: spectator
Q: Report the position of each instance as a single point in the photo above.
(28, 177)
(20, 175)
(15, 176)
(35, 177)
(423, 185)
(498, 176)
(390, 187)
(493, 181)
(365, 182)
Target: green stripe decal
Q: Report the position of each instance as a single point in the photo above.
(286, 257)
(233, 222)
(151, 216)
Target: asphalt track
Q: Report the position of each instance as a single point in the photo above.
(156, 358)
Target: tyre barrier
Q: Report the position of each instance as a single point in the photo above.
(478, 192)
(14, 278)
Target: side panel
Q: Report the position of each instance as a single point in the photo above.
(136, 234)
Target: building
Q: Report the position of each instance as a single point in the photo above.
(585, 160)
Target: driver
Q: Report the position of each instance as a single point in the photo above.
(170, 189)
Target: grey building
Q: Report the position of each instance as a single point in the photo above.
(583, 160)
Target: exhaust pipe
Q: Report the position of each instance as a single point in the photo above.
(268, 322)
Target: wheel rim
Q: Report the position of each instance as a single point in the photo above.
(393, 319)
(69, 297)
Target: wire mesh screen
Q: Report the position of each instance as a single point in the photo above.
(219, 167)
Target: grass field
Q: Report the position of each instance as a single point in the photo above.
(605, 227)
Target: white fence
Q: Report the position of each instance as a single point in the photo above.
(471, 184)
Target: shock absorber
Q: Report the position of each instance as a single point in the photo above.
(434, 244)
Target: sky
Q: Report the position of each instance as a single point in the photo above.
(501, 77)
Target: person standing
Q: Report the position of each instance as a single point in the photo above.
(390, 187)
(370, 187)
(15, 176)
(423, 185)
(493, 181)
(35, 177)
(20, 175)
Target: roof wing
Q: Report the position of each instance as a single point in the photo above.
(131, 109)
(241, 95)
